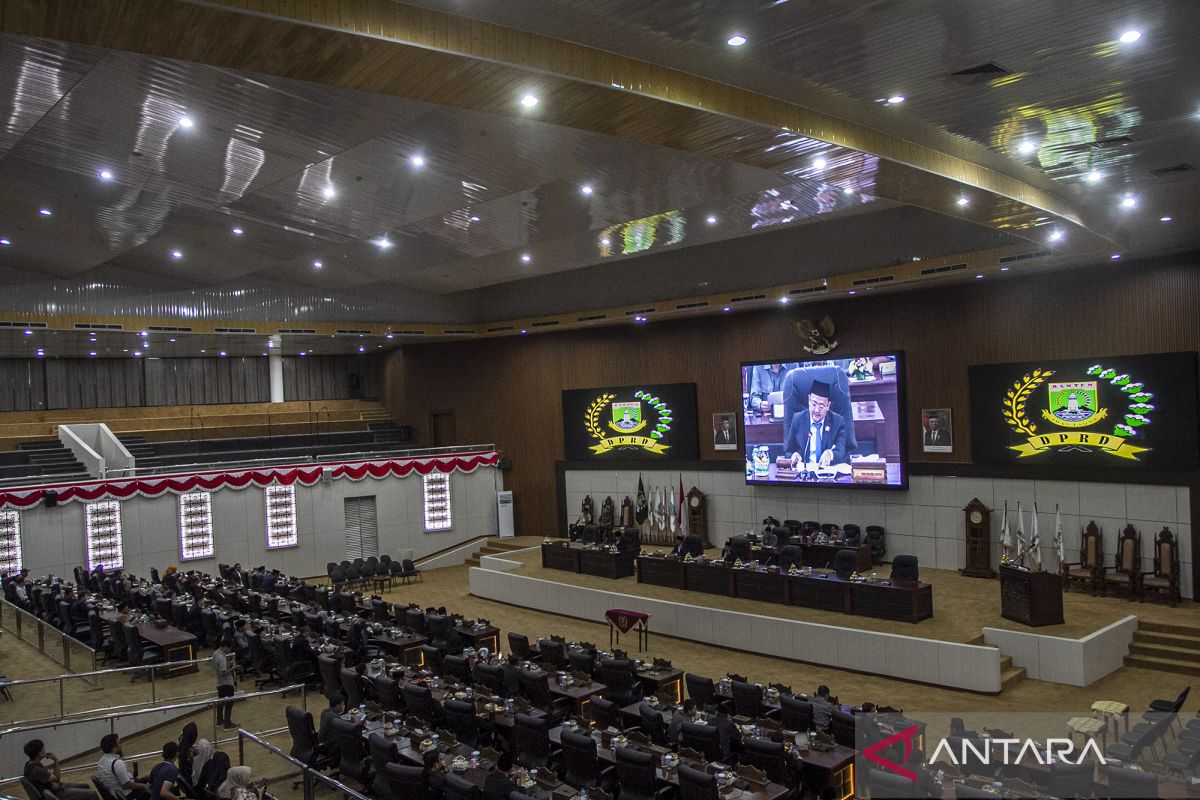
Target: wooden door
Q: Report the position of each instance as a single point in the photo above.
(445, 432)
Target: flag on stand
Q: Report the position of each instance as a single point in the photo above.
(671, 510)
(1006, 540)
(641, 511)
(680, 514)
(1058, 537)
(1035, 541)
(1020, 534)
(660, 517)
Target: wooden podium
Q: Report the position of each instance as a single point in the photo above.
(1030, 598)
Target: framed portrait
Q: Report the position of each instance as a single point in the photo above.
(937, 430)
(725, 431)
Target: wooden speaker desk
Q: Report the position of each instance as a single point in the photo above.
(1031, 598)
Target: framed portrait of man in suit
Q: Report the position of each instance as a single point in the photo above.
(937, 430)
(725, 431)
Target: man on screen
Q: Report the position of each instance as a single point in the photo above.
(817, 435)
(765, 379)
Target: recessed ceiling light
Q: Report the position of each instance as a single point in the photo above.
(526, 258)
(171, 340)
(1115, 256)
(1128, 201)
(1056, 236)
(1129, 37)
(106, 175)
(586, 188)
(186, 122)
(1095, 176)
(853, 291)
(1027, 147)
(474, 218)
(137, 353)
(143, 334)
(301, 353)
(819, 162)
(317, 265)
(417, 161)
(980, 275)
(848, 190)
(1160, 219)
(737, 40)
(92, 353)
(896, 99)
(237, 231)
(523, 330)
(45, 212)
(727, 308)
(202, 350)
(5, 242)
(389, 335)
(785, 300)
(606, 241)
(27, 332)
(711, 220)
(383, 243)
(361, 349)
(529, 101)
(40, 354)
(329, 193)
(963, 200)
(1004, 269)
(222, 352)
(176, 254)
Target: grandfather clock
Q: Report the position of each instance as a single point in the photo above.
(979, 541)
(697, 511)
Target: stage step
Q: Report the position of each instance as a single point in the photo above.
(1181, 667)
(1174, 640)
(493, 547)
(1010, 676)
(1160, 627)
(1162, 651)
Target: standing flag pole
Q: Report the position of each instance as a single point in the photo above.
(683, 517)
(1035, 541)
(1006, 541)
(1020, 535)
(1058, 537)
(641, 511)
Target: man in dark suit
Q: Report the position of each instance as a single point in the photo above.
(724, 432)
(817, 435)
(935, 434)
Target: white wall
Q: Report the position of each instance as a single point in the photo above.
(927, 520)
(53, 539)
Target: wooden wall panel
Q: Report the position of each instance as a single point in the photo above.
(22, 384)
(508, 391)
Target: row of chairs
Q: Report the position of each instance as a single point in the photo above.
(361, 572)
(849, 534)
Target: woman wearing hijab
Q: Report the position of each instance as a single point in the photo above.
(238, 786)
(202, 752)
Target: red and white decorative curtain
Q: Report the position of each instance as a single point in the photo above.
(303, 474)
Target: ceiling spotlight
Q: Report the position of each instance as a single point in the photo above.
(853, 291)
(1160, 219)
(186, 122)
(361, 349)
(711, 220)
(962, 200)
(222, 352)
(300, 353)
(5, 242)
(526, 258)
(171, 340)
(237, 231)
(383, 243)
(417, 161)
(1095, 176)
(1004, 269)
(785, 300)
(895, 100)
(137, 353)
(329, 193)
(523, 330)
(606, 241)
(586, 188)
(317, 265)
(1129, 37)
(529, 101)
(1056, 236)
(143, 334)
(1115, 256)
(45, 212)
(819, 162)
(848, 190)
(106, 175)
(980, 275)
(737, 40)
(27, 332)
(1128, 201)
(474, 218)
(176, 254)
(92, 353)
(1027, 147)
(389, 335)
(40, 353)
(727, 308)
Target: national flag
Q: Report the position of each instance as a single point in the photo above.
(683, 517)
(641, 511)
(671, 510)
(1020, 533)
(1035, 541)
(1006, 540)
(660, 510)
(680, 516)
(1058, 537)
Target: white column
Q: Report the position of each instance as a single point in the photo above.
(275, 363)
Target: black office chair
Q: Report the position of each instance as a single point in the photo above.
(414, 620)
(582, 661)
(851, 535)
(531, 740)
(888, 784)
(410, 783)
(354, 761)
(383, 752)
(701, 689)
(652, 724)
(705, 739)
(770, 758)
(409, 570)
(431, 658)
(459, 668)
(305, 746)
(876, 539)
(490, 677)
(518, 644)
(795, 714)
(696, 785)
(844, 563)
(462, 721)
(581, 765)
(621, 685)
(456, 787)
(791, 555)
(351, 689)
(637, 777)
(604, 714)
(554, 653)
(387, 692)
(138, 654)
(748, 701)
(841, 726)
(589, 533)
(739, 550)
(1072, 780)
(904, 570)
(535, 686)
(1124, 782)
(419, 702)
(693, 545)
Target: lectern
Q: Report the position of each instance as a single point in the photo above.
(1030, 598)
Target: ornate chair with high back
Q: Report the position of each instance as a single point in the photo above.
(1086, 570)
(626, 520)
(1164, 578)
(604, 525)
(1123, 575)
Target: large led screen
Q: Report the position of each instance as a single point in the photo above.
(835, 422)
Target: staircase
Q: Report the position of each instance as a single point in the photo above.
(388, 433)
(137, 445)
(1167, 648)
(491, 547)
(52, 457)
(1010, 675)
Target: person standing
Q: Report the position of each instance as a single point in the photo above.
(113, 773)
(222, 659)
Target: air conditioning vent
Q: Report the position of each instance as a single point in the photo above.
(979, 73)
(875, 280)
(699, 304)
(409, 333)
(458, 331)
(501, 329)
(353, 331)
(167, 329)
(809, 290)
(1172, 170)
(22, 324)
(545, 324)
(639, 311)
(941, 270)
(746, 298)
(99, 326)
(1023, 256)
(234, 330)
(591, 318)
(297, 330)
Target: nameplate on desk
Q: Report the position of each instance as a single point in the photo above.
(868, 471)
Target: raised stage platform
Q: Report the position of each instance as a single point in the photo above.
(959, 647)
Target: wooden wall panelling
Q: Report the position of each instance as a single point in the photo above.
(22, 384)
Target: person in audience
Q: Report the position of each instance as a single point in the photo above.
(677, 550)
(202, 753)
(239, 785)
(337, 707)
(675, 729)
(164, 778)
(512, 674)
(47, 779)
(302, 649)
(241, 641)
(267, 584)
(768, 538)
(236, 574)
(222, 659)
(113, 773)
(22, 592)
(822, 708)
(498, 784)
(868, 708)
